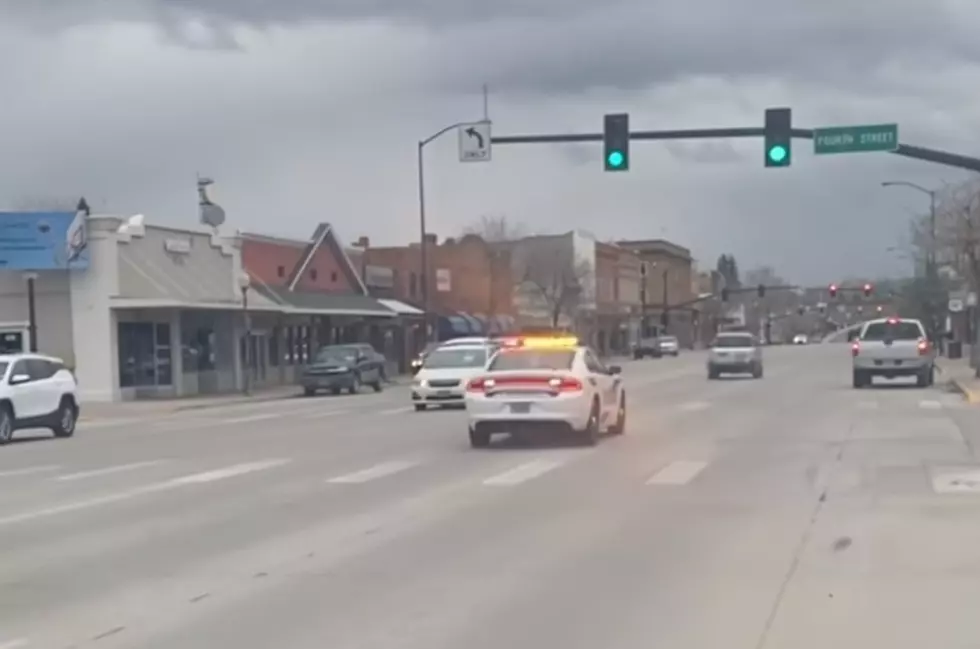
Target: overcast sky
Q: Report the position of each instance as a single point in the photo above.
(310, 110)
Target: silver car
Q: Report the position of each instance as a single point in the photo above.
(735, 352)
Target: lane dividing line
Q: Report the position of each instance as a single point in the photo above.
(250, 418)
(28, 471)
(12, 644)
(81, 475)
(120, 496)
(382, 470)
(324, 413)
(694, 406)
(523, 473)
(930, 404)
(868, 405)
(395, 411)
(679, 472)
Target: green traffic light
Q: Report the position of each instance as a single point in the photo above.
(777, 153)
(615, 159)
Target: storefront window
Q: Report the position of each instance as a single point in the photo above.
(11, 342)
(144, 354)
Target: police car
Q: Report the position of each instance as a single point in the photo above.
(545, 382)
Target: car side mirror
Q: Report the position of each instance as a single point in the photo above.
(17, 379)
(614, 369)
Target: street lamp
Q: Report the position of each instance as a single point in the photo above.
(30, 278)
(423, 251)
(244, 283)
(931, 256)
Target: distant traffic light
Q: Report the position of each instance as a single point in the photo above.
(724, 294)
(616, 141)
(762, 290)
(832, 290)
(778, 137)
(867, 290)
(801, 310)
(880, 308)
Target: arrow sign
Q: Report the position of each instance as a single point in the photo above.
(472, 132)
(474, 142)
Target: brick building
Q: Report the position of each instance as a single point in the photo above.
(617, 285)
(470, 282)
(667, 287)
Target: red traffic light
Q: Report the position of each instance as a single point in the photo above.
(867, 290)
(833, 290)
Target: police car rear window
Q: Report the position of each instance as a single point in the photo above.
(532, 359)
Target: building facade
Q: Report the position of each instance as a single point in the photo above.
(667, 288)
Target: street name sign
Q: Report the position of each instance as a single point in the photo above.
(474, 142)
(855, 139)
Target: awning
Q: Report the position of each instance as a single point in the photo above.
(313, 303)
(400, 307)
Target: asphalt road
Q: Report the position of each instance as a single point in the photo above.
(791, 511)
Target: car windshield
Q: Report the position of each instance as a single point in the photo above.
(668, 339)
(533, 359)
(459, 357)
(732, 341)
(902, 330)
(336, 354)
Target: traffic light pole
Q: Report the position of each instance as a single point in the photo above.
(906, 150)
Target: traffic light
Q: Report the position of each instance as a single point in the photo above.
(867, 290)
(778, 137)
(762, 290)
(724, 294)
(880, 308)
(832, 290)
(616, 141)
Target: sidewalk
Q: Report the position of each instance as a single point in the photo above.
(151, 407)
(960, 376)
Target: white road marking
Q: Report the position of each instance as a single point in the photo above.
(12, 644)
(868, 405)
(523, 473)
(394, 411)
(250, 418)
(372, 473)
(679, 472)
(120, 496)
(694, 406)
(948, 480)
(27, 471)
(120, 468)
(324, 413)
(930, 404)
(229, 472)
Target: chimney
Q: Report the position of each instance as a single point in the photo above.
(363, 242)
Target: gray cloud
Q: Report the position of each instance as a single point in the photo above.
(304, 111)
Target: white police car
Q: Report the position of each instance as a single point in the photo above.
(545, 382)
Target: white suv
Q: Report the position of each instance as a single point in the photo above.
(36, 392)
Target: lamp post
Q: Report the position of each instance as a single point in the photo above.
(423, 250)
(244, 283)
(931, 253)
(30, 278)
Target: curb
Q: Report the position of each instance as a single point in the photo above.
(237, 401)
(970, 393)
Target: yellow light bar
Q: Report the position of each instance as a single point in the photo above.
(551, 343)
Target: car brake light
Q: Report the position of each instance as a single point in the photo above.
(923, 347)
(855, 348)
(566, 384)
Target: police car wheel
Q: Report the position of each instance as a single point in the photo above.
(620, 426)
(479, 438)
(590, 435)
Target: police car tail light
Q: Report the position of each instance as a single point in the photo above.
(566, 384)
(479, 384)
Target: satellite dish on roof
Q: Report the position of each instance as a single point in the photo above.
(211, 214)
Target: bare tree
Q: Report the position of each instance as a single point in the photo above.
(496, 229)
(555, 282)
(957, 233)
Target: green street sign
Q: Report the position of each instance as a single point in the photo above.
(855, 139)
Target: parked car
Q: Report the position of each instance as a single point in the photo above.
(343, 367)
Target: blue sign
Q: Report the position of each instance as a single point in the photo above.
(43, 240)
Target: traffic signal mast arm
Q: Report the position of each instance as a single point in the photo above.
(906, 150)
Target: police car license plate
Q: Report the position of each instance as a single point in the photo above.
(443, 394)
(520, 408)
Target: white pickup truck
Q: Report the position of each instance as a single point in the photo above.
(892, 347)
